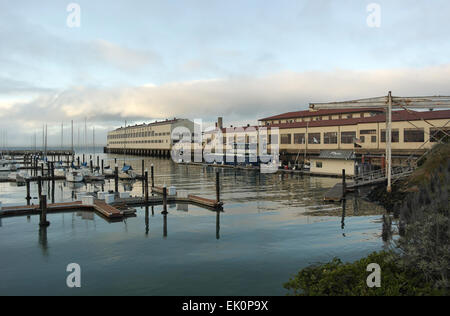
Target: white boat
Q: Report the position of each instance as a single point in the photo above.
(108, 170)
(60, 172)
(270, 167)
(74, 176)
(8, 167)
(22, 176)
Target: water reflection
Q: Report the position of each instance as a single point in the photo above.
(43, 242)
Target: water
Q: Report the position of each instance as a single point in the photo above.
(271, 227)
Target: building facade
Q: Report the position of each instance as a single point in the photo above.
(304, 134)
(153, 139)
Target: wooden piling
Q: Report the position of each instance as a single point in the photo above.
(116, 178)
(164, 200)
(27, 181)
(152, 175)
(43, 218)
(146, 185)
(217, 187)
(343, 183)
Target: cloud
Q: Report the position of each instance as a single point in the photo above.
(241, 98)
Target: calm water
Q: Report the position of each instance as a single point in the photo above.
(263, 237)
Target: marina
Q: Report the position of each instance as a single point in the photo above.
(277, 207)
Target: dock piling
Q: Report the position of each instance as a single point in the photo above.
(164, 200)
(116, 178)
(343, 184)
(152, 175)
(217, 187)
(146, 185)
(43, 218)
(27, 181)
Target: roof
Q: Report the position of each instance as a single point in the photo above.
(337, 154)
(309, 113)
(150, 124)
(401, 115)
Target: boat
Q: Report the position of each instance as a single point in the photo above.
(96, 176)
(270, 167)
(22, 176)
(127, 173)
(108, 170)
(74, 175)
(7, 167)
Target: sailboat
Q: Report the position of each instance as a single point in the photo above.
(74, 175)
(127, 172)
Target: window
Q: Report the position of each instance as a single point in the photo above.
(362, 139)
(437, 134)
(285, 139)
(299, 138)
(318, 164)
(361, 115)
(330, 117)
(314, 138)
(347, 137)
(330, 138)
(413, 135)
(394, 138)
(373, 139)
(349, 116)
(368, 132)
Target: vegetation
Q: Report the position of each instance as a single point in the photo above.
(420, 261)
(349, 279)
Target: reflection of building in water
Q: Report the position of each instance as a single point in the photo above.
(86, 215)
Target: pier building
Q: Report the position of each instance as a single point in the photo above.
(152, 139)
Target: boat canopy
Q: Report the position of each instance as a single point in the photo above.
(126, 168)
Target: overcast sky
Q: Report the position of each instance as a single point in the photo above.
(240, 59)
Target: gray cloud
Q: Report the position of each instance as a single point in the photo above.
(237, 99)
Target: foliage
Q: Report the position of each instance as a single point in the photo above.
(349, 279)
(425, 228)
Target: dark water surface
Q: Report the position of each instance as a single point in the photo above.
(263, 237)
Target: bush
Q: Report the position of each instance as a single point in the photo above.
(349, 279)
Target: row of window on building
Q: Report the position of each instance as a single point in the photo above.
(410, 135)
(153, 141)
(138, 134)
(319, 118)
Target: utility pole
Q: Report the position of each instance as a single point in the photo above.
(389, 142)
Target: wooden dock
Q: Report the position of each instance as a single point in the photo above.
(109, 212)
(335, 194)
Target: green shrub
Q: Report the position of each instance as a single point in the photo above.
(349, 279)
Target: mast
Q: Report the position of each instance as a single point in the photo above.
(72, 135)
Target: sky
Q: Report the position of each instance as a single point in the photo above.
(140, 61)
